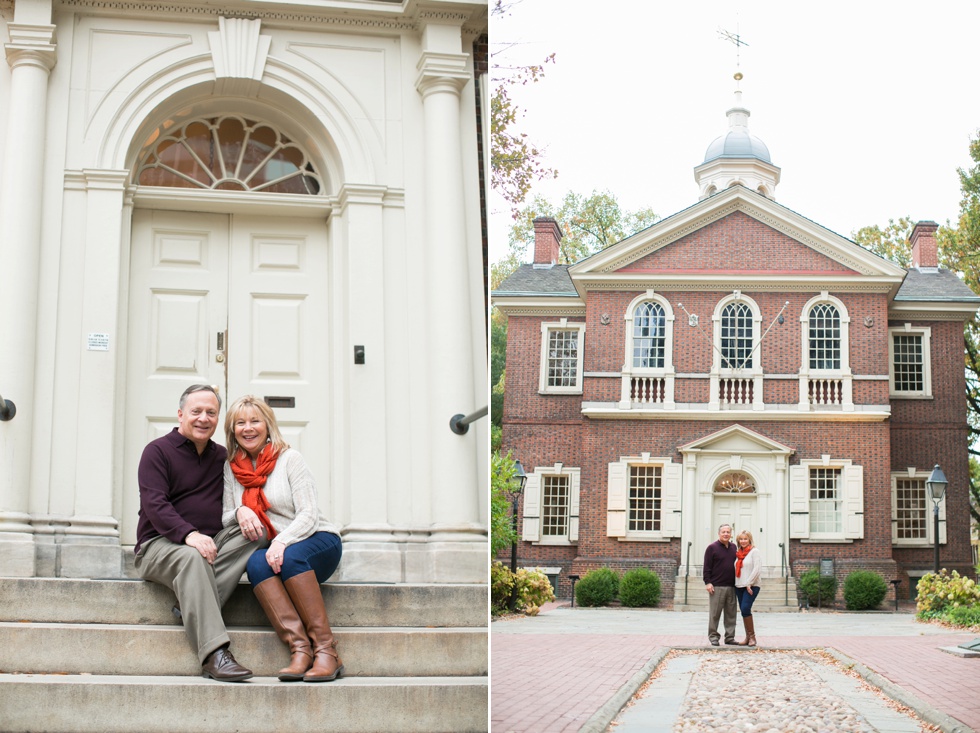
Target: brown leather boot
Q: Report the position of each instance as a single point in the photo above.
(279, 609)
(304, 589)
(749, 622)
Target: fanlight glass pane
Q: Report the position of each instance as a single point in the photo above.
(228, 153)
(735, 482)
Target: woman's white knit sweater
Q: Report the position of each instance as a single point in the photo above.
(291, 493)
(751, 570)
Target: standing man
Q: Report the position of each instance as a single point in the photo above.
(180, 542)
(719, 581)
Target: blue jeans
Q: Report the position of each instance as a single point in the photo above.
(745, 599)
(320, 552)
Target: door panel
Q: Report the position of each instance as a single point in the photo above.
(278, 326)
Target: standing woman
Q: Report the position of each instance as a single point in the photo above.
(269, 491)
(748, 570)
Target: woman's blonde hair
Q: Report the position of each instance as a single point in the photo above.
(745, 533)
(235, 411)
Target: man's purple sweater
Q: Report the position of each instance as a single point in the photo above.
(180, 491)
(719, 564)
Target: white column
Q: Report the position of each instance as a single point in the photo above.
(31, 55)
(456, 528)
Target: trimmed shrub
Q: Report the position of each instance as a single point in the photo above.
(811, 584)
(864, 589)
(639, 587)
(597, 587)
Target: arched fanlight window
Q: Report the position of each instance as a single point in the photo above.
(649, 337)
(227, 153)
(825, 337)
(735, 482)
(736, 336)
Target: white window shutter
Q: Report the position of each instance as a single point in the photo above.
(894, 511)
(799, 503)
(532, 508)
(853, 502)
(573, 503)
(671, 504)
(942, 519)
(616, 502)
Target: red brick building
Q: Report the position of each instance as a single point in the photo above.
(737, 362)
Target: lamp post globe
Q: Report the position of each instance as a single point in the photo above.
(936, 486)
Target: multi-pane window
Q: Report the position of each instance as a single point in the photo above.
(554, 506)
(825, 337)
(736, 336)
(645, 498)
(562, 366)
(825, 500)
(911, 511)
(649, 338)
(908, 364)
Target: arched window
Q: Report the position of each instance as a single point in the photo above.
(736, 336)
(227, 153)
(825, 337)
(735, 482)
(649, 336)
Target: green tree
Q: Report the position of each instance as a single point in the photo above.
(503, 482)
(892, 242)
(515, 161)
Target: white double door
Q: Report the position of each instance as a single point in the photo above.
(232, 300)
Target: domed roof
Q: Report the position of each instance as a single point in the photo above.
(737, 143)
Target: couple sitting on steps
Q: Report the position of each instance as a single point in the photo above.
(208, 514)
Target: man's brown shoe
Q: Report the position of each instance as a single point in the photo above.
(221, 665)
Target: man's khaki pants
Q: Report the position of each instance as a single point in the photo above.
(201, 589)
(722, 601)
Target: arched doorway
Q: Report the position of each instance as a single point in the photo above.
(735, 502)
(227, 285)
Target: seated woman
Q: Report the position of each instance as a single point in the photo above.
(270, 492)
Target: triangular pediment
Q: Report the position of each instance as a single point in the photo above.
(750, 235)
(736, 439)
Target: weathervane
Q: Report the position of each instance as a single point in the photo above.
(737, 40)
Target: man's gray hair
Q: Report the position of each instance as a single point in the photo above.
(726, 524)
(199, 388)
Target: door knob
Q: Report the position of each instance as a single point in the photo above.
(219, 358)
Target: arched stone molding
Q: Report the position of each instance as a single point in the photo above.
(321, 112)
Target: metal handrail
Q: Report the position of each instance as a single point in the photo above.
(782, 572)
(460, 424)
(687, 571)
(7, 409)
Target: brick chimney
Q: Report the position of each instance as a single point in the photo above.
(547, 234)
(924, 251)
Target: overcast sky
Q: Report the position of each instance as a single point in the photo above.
(867, 107)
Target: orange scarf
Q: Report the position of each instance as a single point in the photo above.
(741, 555)
(253, 479)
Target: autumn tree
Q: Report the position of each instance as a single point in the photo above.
(515, 161)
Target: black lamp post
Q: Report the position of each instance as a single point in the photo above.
(521, 477)
(936, 485)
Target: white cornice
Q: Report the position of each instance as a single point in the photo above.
(540, 306)
(737, 198)
(610, 411)
(226, 202)
(666, 280)
(931, 311)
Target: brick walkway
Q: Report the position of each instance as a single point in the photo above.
(553, 673)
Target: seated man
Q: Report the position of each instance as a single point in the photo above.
(180, 542)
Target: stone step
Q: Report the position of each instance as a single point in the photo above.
(129, 649)
(126, 601)
(123, 704)
(777, 595)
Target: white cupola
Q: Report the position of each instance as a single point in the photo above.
(737, 157)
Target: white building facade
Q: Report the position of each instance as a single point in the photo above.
(278, 198)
